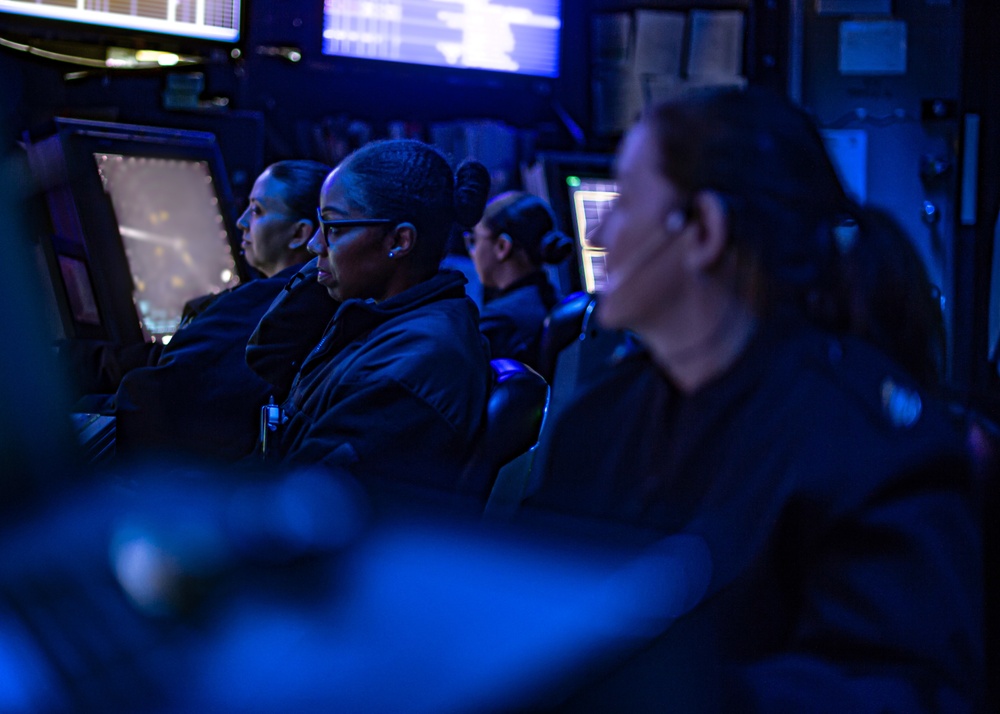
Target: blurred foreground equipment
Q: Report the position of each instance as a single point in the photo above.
(191, 593)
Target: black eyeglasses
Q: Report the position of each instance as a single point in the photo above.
(329, 226)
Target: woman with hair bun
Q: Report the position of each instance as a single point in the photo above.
(396, 389)
(515, 237)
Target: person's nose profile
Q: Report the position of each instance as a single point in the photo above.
(316, 244)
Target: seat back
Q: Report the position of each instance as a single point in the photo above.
(574, 349)
(560, 329)
(513, 420)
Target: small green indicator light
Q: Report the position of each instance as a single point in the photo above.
(573, 181)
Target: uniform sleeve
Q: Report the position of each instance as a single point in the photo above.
(200, 397)
(382, 430)
(892, 617)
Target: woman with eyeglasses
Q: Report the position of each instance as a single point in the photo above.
(396, 388)
(509, 246)
(832, 491)
(200, 398)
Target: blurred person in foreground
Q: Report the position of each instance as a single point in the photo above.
(832, 490)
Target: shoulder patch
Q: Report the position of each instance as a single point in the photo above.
(889, 397)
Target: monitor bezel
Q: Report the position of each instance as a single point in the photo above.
(102, 248)
(584, 247)
(556, 168)
(91, 39)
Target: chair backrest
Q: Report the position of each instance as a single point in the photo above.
(513, 420)
(574, 348)
(562, 326)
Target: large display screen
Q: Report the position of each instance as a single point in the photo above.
(516, 36)
(205, 19)
(173, 232)
(590, 199)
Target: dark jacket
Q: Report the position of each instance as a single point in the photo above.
(201, 398)
(835, 500)
(290, 329)
(512, 318)
(395, 390)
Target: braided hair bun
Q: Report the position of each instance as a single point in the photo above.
(555, 247)
(530, 224)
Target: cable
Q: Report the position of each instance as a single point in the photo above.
(88, 62)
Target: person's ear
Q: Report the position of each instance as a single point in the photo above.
(707, 241)
(504, 247)
(402, 240)
(304, 230)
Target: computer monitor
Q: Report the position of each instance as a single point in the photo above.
(512, 36)
(149, 24)
(591, 198)
(142, 220)
(174, 236)
(581, 190)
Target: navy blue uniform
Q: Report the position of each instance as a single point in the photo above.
(200, 398)
(395, 390)
(512, 318)
(835, 500)
(290, 329)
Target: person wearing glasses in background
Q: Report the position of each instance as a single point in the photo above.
(763, 415)
(508, 247)
(200, 399)
(396, 389)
